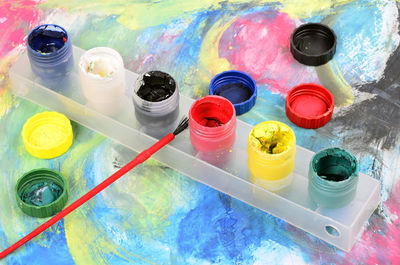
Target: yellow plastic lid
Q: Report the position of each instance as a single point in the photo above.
(47, 134)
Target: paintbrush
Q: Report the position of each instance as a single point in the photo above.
(140, 158)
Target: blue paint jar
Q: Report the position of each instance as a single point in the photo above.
(236, 86)
(333, 177)
(50, 51)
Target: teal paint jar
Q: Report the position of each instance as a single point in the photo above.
(333, 177)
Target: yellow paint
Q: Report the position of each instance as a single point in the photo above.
(99, 67)
(271, 138)
(87, 240)
(6, 102)
(271, 152)
(208, 54)
(332, 78)
(307, 8)
(142, 14)
(47, 134)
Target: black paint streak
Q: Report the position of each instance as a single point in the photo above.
(379, 118)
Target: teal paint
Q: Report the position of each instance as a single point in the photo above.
(42, 193)
(333, 177)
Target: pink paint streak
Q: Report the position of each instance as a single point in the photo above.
(17, 18)
(380, 243)
(261, 48)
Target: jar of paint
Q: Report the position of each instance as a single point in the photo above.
(236, 86)
(41, 192)
(271, 151)
(50, 51)
(156, 101)
(212, 123)
(333, 177)
(102, 78)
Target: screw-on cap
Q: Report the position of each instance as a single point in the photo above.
(313, 44)
(309, 105)
(41, 192)
(47, 135)
(236, 86)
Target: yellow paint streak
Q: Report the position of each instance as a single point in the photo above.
(86, 239)
(307, 8)
(332, 78)
(136, 15)
(81, 234)
(209, 58)
(6, 102)
(144, 198)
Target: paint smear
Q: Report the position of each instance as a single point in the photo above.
(261, 48)
(147, 14)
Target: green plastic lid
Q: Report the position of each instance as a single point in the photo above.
(41, 192)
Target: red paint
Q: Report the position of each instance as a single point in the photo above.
(212, 122)
(261, 47)
(309, 105)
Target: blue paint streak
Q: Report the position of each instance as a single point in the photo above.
(57, 251)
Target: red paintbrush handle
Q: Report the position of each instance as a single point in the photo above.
(140, 158)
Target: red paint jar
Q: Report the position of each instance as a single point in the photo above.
(212, 123)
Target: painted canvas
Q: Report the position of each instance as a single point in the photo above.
(155, 215)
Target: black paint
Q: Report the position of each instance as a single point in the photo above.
(377, 119)
(156, 86)
(234, 92)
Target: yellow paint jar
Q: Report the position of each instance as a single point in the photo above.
(47, 134)
(271, 150)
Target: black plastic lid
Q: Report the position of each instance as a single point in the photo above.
(313, 44)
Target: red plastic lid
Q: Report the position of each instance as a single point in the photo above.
(309, 105)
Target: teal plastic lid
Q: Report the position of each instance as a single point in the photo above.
(41, 192)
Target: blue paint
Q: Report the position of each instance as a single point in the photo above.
(361, 39)
(43, 252)
(226, 231)
(50, 52)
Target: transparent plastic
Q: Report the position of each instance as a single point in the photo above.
(339, 227)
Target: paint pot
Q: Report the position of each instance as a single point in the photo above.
(50, 52)
(238, 87)
(156, 101)
(212, 123)
(313, 44)
(333, 177)
(47, 135)
(41, 192)
(271, 151)
(309, 106)
(102, 78)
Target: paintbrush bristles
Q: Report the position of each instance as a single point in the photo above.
(182, 126)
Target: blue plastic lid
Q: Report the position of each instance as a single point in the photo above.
(236, 86)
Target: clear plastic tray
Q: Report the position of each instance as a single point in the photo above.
(339, 227)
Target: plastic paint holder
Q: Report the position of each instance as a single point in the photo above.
(339, 227)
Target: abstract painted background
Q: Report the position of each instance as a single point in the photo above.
(158, 216)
